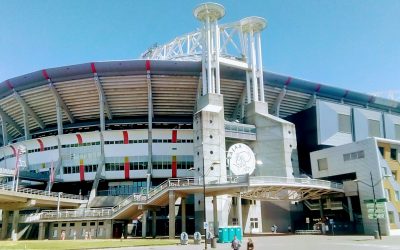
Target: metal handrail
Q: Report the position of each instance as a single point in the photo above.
(40, 192)
(177, 183)
(302, 181)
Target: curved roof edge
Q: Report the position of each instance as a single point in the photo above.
(133, 67)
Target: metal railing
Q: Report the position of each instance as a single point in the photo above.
(6, 171)
(176, 183)
(262, 180)
(40, 192)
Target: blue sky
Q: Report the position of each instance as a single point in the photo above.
(353, 44)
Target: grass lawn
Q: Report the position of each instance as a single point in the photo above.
(82, 244)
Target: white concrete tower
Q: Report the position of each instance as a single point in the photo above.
(209, 14)
(251, 39)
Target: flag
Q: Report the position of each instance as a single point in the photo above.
(51, 172)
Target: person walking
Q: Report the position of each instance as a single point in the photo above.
(250, 244)
(235, 243)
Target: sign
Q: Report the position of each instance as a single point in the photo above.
(241, 159)
(377, 211)
(377, 200)
(307, 220)
(376, 216)
(378, 205)
(205, 225)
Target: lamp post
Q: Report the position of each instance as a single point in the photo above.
(372, 185)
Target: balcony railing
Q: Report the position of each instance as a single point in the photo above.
(240, 131)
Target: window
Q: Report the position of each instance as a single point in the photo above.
(391, 217)
(387, 192)
(84, 224)
(354, 156)
(393, 154)
(344, 123)
(235, 222)
(101, 223)
(63, 224)
(382, 151)
(253, 223)
(374, 128)
(71, 224)
(323, 164)
(55, 232)
(93, 223)
(55, 225)
(397, 195)
(397, 131)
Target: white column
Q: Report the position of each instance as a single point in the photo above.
(144, 224)
(350, 207)
(15, 222)
(209, 73)
(217, 48)
(4, 130)
(26, 124)
(4, 224)
(253, 67)
(59, 117)
(260, 67)
(239, 211)
(215, 215)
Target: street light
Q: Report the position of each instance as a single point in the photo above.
(372, 185)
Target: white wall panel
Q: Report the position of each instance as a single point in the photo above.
(328, 123)
(361, 117)
(390, 122)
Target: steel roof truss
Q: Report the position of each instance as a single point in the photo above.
(28, 109)
(102, 96)
(61, 102)
(6, 118)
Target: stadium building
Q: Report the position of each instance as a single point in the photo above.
(195, 131)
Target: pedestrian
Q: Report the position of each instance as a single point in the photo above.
(235, 243)
(250, 244)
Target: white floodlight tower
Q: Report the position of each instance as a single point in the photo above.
(209, 14)
(251, 29)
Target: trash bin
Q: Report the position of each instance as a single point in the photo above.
(376, 235)
(214, 242)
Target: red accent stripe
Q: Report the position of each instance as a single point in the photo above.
(318, 88)
(13, 149)
(9, 85)
(45, 75)
(126, 168)
(148, 65)
(79, 136)
(126, 138)
(41, 145)
(288, 81)
(93, 68)
(174, 167)
(82, 172)
(174, 136)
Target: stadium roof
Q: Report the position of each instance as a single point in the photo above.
(174, 87)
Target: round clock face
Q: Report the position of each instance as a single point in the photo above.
(241, 159)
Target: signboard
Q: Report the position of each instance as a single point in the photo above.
(307, 220)
(378, 205)
(377, 211)
(376, 216)
(205, 225)
(241, 159)
(377, 200)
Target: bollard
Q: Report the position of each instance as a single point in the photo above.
(376, 235)
(214, 242)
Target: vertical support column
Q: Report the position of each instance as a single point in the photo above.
(253, 67)
(125, 230)
(154, 225)
(239, 211)
(4, 130)
(15, 221)
(217, 51)
(350, 206)
(102, 117)
(183, 213)
(215, 215)
(321, 208)
(59, 117)
(4, 225)
(26, 124)
(171, 214)
(42, 230)
(150, 124)
(144, 224)
(260, 67)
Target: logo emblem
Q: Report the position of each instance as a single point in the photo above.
(241, 159)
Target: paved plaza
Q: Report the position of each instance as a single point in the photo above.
(306, 242)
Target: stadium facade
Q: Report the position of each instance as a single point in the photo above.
(195, 131)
